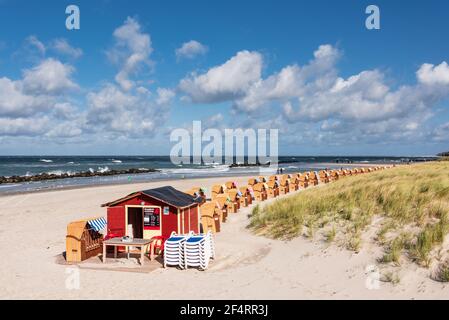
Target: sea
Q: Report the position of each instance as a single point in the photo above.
(33, 165)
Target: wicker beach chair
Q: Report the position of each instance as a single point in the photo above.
(216, 190)
(260, 191)
(324, 176)
(234, 196)
(284, 183)
(253, 181)
(273, 188)
(293, 182)
(313, 178)
(211, 216)
(247, 196)
(224, 204)
(335, 175)
(303, 180)
(198, 192)
(231, 185)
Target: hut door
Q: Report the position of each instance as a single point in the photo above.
(135, 222)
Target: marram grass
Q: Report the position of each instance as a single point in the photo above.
(411, 200)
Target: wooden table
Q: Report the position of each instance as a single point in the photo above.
(117, 242)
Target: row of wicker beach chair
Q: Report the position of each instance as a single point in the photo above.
(228, 198)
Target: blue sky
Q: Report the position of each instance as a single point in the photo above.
(311, 69)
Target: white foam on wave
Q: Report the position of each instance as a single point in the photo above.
(58, 172)
(103, 169)
(9, 185)
(116, 161)
(211, 170)
(46, 160)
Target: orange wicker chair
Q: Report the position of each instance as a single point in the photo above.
(284, 184)
(216, 190)
(234, 196)
(303, 180)
(313, 178)
(247, 196)
(211, 216)
(260, 191)
(324, 176)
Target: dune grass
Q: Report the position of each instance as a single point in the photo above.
(411, 200)
(443, 272)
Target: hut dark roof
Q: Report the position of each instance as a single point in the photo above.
(167, 194)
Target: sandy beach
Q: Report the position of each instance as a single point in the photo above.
(33, 229)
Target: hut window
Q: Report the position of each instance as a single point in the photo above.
(151, 217)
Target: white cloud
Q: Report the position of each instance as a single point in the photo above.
(33, 41)
(23, 126)
(15, 103)
(115, 111)
(164, 96)
(37, 91)
(132, 50)
(49, 77)
(287, 83)
(441, 133)
(66, 129)
(191, 49)
(292, 81)
(65, 110)
(431, 74)
(362, 106)
(63, 47)
(35, 104)
(228, 81)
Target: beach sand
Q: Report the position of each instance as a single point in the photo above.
(32, 237)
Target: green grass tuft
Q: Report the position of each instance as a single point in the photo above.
(443, 272)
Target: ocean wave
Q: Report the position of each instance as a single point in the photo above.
(203, 170)
(46, 160)
(103, 169)
(211, 164)
(9, 185)
(116, 161)
(60, 172)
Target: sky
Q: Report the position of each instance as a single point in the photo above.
(136, 70)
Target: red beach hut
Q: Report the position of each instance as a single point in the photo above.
(153, 212)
